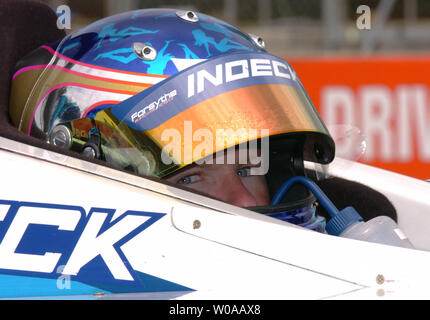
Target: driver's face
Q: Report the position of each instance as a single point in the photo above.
(231, 183)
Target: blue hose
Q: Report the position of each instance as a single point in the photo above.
(313, 187)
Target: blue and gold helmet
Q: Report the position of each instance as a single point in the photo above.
(142, 89)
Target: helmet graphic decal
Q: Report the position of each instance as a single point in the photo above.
(224, 45)
(114, 35)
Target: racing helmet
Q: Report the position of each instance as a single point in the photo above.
(142, 90)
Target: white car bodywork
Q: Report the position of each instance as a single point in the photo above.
(206, 248)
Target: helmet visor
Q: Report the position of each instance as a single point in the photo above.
(215, 105)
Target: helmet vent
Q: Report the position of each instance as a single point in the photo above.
(188, 16)
(144, 51)
(259, 41)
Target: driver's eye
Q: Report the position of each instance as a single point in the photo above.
(188, 179)
(185, 180)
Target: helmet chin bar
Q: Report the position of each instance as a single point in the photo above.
(298, 206)
(286, 161)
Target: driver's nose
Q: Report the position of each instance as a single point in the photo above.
(235, 193)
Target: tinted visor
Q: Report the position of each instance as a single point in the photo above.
(211, 106)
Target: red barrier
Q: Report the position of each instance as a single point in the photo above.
(386, 97)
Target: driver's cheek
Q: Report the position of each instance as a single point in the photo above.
(236, 193)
